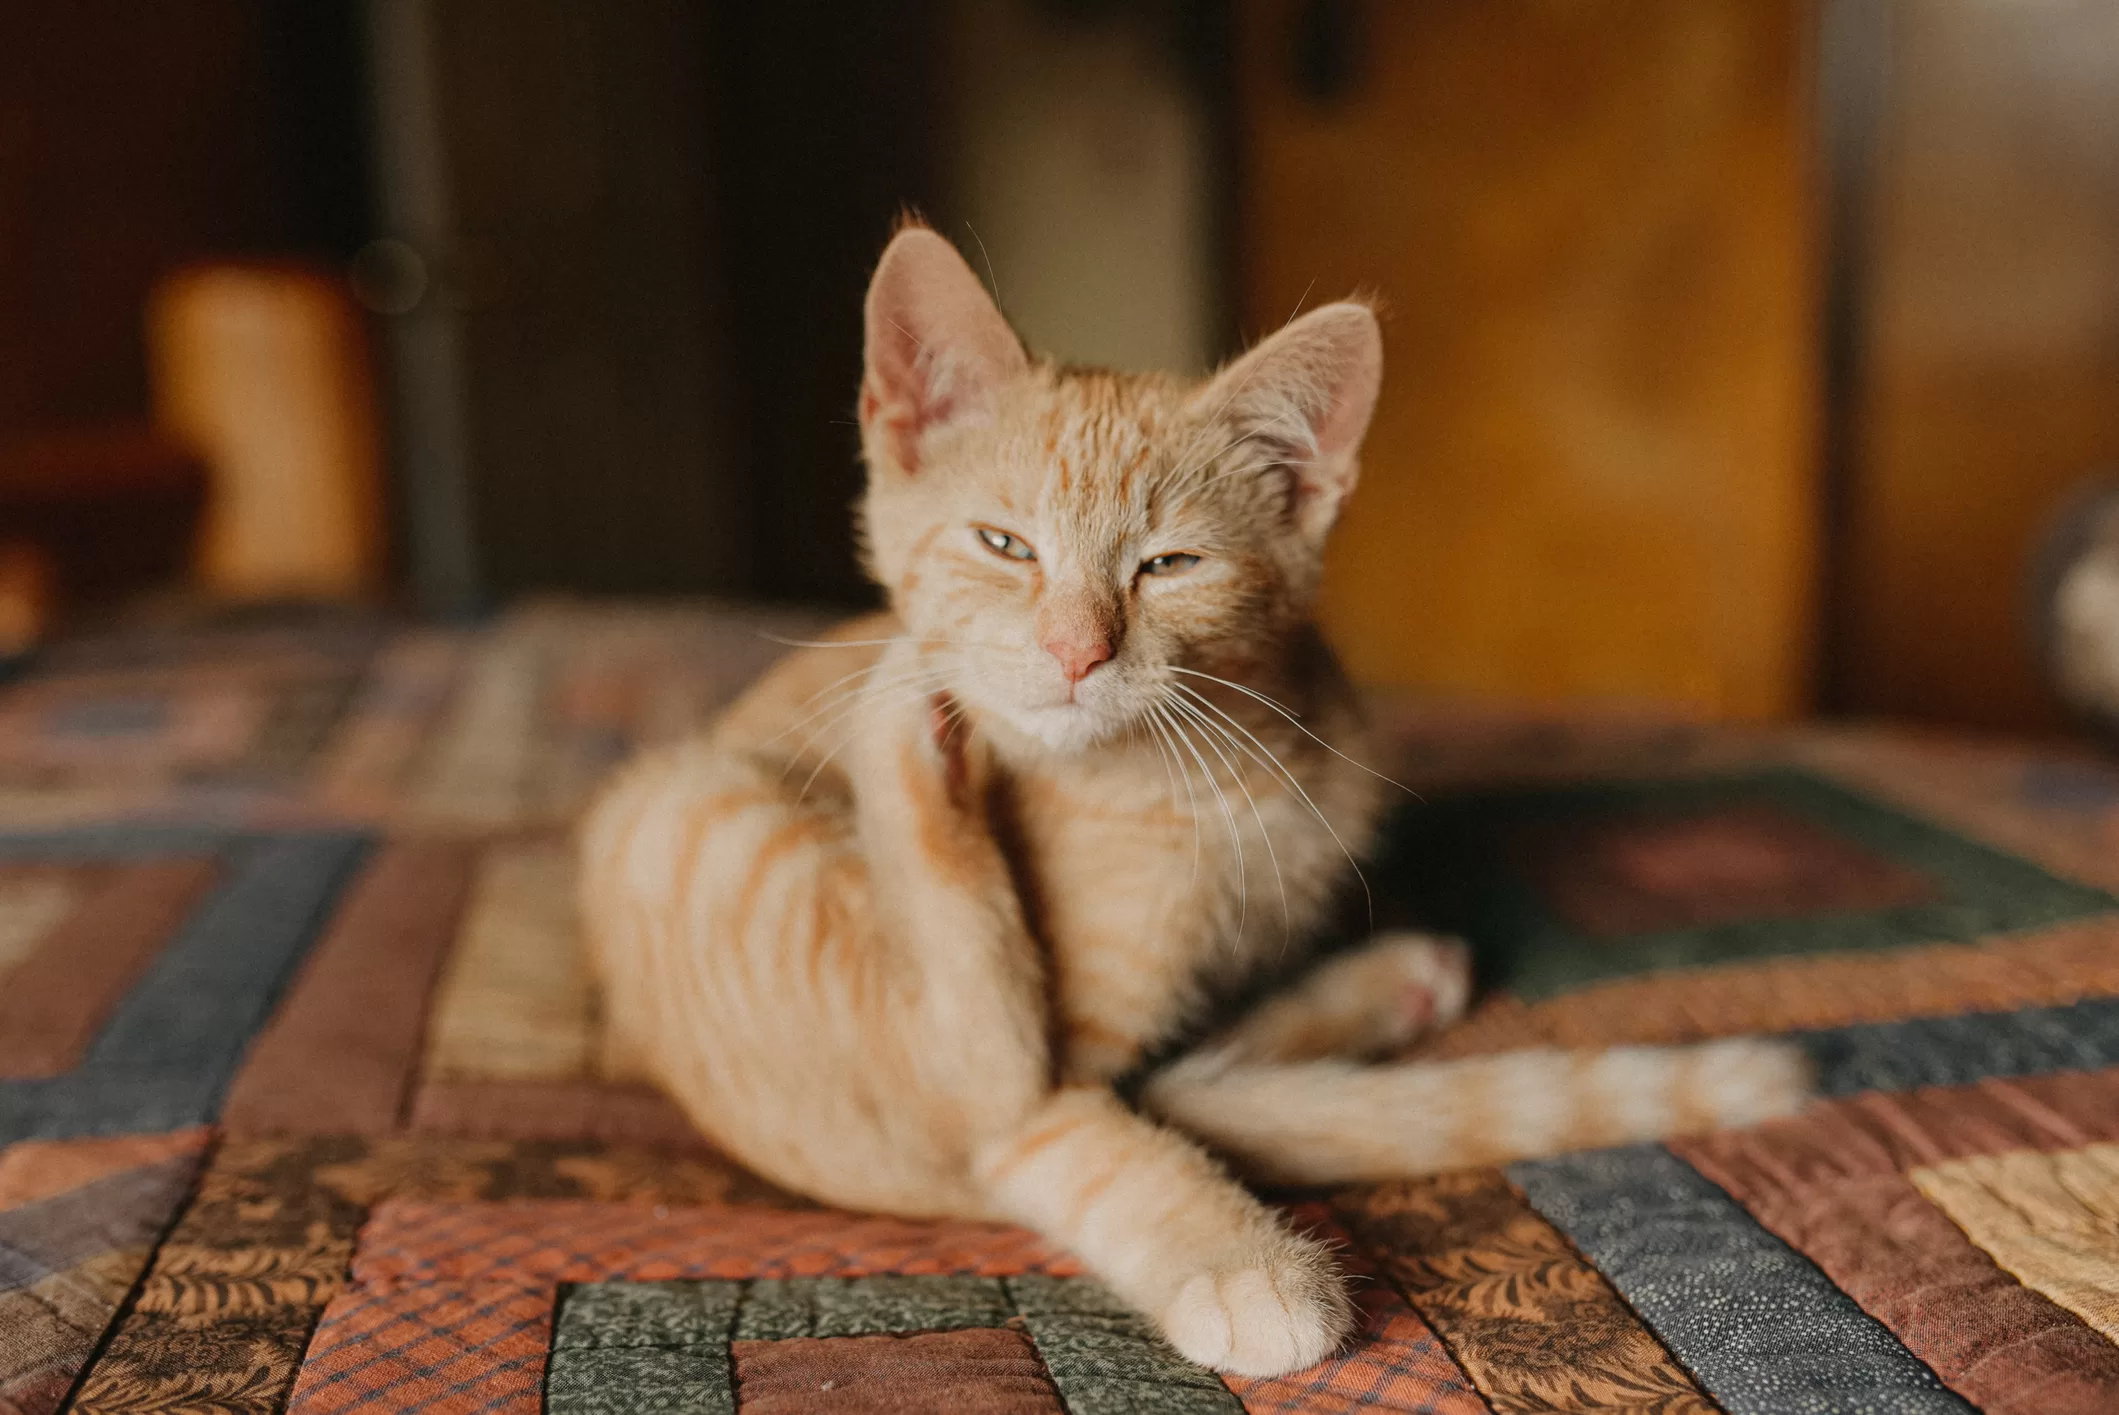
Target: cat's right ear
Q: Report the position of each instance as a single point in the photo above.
(938, 349)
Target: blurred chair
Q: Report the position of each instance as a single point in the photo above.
(86, 514)
(264, 371)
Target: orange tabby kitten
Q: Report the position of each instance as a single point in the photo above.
(893, 928)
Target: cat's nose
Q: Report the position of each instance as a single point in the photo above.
(1078, 657)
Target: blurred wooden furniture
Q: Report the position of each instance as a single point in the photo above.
(87, 514)
(264, 371)
(1985, 379)
(1592, 474)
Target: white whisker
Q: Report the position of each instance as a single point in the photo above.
(1297, 721)
(1289, 777)
(1163, 735)
(1287, 917)
(1243, 888)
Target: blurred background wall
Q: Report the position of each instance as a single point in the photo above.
(1739, 350)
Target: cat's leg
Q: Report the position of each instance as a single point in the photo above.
(968, 972)
(1323, 1122)
(1368, 1001)
(1170, 1232)
(1162, 1223)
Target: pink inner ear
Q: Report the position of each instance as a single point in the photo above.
(937, 347)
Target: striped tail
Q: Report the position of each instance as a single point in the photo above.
(1329, 1122)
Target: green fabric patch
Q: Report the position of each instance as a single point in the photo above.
(774, 1309)
(640, 1380)
(1492, 866)
(647, 1314)
(663, 1346)
(643, 1346)
(1106, 1359)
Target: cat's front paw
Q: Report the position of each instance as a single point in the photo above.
(1278, 1316)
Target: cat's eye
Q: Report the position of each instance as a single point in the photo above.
(1174, 563)
(1002, 543)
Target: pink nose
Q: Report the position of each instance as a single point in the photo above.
(1076, 657)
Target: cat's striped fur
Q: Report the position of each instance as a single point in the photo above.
(892, 929)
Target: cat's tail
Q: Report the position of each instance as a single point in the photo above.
(1327, 1122)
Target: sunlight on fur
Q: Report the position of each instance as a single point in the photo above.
(891, 931)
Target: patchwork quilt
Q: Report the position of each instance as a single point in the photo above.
(302, 1108)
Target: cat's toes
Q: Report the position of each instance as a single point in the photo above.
(1266, 1320)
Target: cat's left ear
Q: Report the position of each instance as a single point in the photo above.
(938, 350)
(1304, 395)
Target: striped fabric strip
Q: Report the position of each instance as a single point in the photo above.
(515, 1001)
(341, 1054)
(170, 1046)
(77, 1221)
(1833, 1183)
(1527, 1318)
(1762, 1329)
(1956, 1051)
(2051, 967)
(2050, 1219)
(975, 1371)
(56, 1000)
(32, 900)
(555, 1110)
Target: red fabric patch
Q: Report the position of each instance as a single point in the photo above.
(1830, 1183)
(450, 1304)
(981, 1371)
(1645, 874)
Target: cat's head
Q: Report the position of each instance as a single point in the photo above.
(1067, 540)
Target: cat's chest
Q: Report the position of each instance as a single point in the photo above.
(1150, 897)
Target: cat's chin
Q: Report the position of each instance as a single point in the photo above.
(1066, 729)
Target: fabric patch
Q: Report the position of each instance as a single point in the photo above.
(1956, 1051)
(1757, 1325)
(32, 901)
(516, 1002)
(143, 720)
(77, 1220)
(362, 771)
(229, 1302)
(1106, 1359)
(1530, 1322)
(2050, 1219)
(554, 1110)
(341, 1054)
(778, 1309)
(58, 996)
(454, 1301)
(1829, 1183)
(1694, 870)
(1650, 898)
(557, 692)
(2056, 966)
(1395, 1365)
(966, 1372)
(649, 1345)
(168, 1048)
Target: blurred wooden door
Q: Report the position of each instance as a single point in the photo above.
(1591, 475)
(1987, 356)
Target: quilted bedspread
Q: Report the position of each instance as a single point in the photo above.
(300, 1103)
